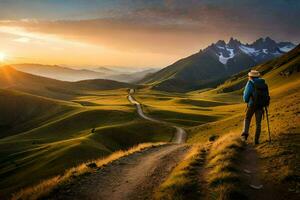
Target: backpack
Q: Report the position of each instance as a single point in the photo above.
(260, 95)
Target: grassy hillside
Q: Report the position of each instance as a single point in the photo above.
(43, 136)
(197, 70)
(48, 150)
(21, 112)
(284, 91)
(209, 171)
(183, 109)
(279, 162)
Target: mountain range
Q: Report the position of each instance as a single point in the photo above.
(212, 65)
(69, 74)
(282, 70)
(59, 72)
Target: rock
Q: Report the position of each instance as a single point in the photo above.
(291, 190)
(92, 165)
(213, 138)
(256, 187)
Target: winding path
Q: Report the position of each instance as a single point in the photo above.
(180, 135)
(131, 177)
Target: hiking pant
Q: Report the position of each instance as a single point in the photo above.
(258, 116)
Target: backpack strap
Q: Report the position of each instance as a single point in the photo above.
(253, 84)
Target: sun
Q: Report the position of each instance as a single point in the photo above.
(2, 57)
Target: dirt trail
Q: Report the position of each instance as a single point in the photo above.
(180, 135)
(255, 187)
(131, 177)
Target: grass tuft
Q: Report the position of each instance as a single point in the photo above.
(182, 183)
(224, 177)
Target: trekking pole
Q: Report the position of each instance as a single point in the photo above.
(267, 115)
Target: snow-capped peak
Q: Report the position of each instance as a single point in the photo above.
(224, 59)
(248, 50)
(261, 50)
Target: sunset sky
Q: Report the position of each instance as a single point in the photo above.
(135, 33)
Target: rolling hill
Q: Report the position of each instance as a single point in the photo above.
(211, 66)
(37, 85)
(42, 137)
(46, 125)
(21, 112)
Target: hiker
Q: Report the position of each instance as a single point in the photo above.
(256, 95)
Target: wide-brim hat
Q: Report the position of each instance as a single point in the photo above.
(254, 73)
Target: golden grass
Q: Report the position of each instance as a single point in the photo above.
(283, 115)
(279, 160)
(183, 109)
(182, 183)
(45, 187)
(223, 175)
(106, 100)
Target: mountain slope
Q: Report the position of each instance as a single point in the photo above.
(210, 66)
(185, 74)
(13, 79)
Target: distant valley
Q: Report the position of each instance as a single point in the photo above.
(70, 74)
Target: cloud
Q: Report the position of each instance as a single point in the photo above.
(132, 36)
(137, 32)
(22, 40)
(169, 30)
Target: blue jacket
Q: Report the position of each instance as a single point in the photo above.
(249, 89)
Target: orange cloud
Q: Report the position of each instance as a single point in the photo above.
(122, 35)
(152, 36)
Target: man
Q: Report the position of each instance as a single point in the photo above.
(256, 95)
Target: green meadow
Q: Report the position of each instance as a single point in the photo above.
(43, 137)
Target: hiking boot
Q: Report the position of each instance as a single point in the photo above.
(256, 140)
(244, 138)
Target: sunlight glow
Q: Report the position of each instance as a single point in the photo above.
(2, 57)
